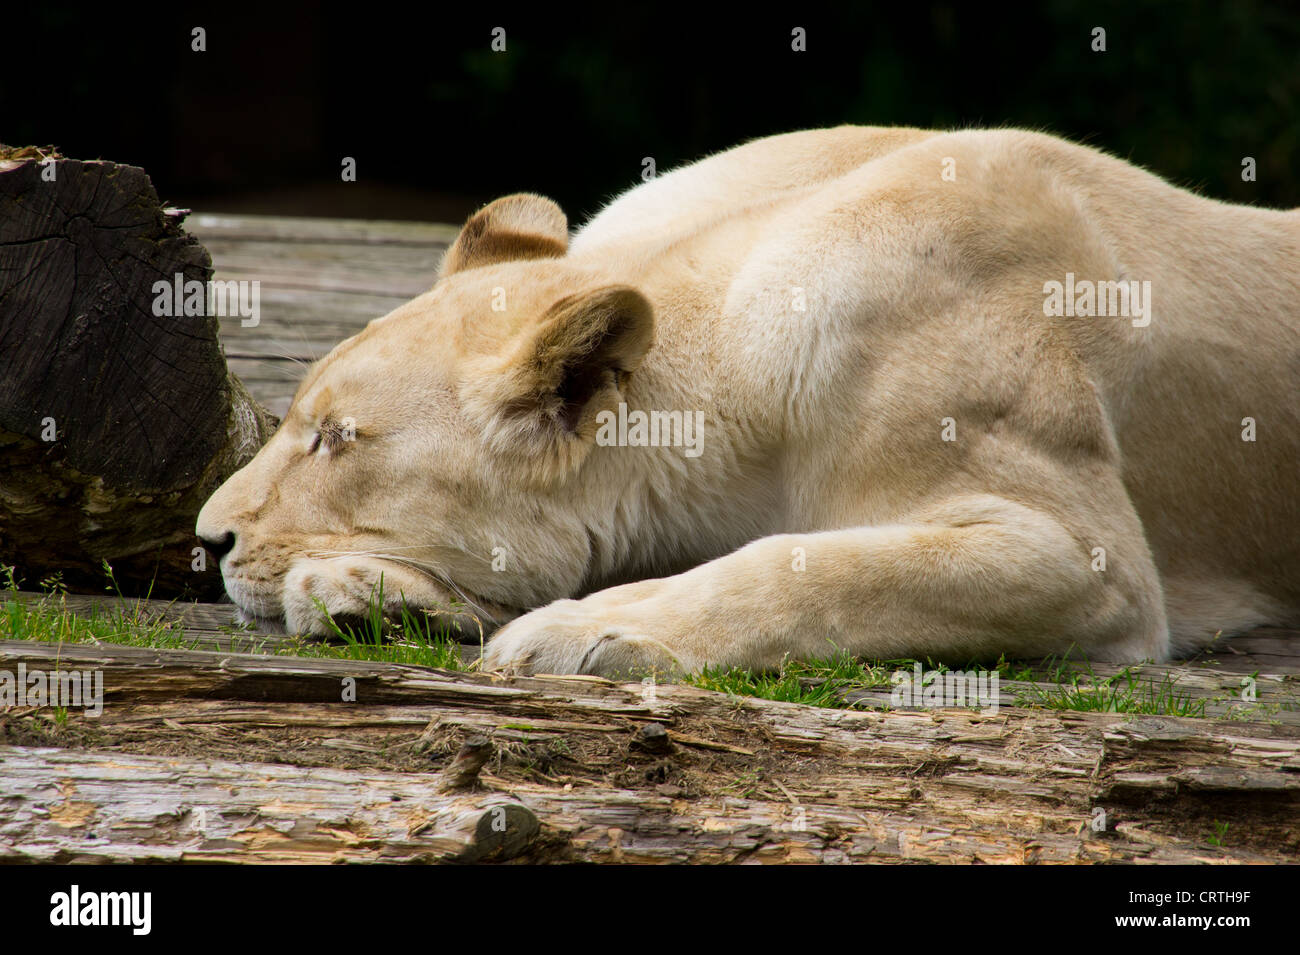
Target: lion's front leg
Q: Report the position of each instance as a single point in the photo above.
(983, 577)
(715, 614)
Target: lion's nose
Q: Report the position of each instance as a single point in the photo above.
(219, 546)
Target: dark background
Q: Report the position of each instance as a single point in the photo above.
(439, 123)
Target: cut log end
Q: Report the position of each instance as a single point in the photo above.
(118, 418)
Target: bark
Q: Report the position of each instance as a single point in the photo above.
(116, 423)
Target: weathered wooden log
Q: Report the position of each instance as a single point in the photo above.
(117, 414)
(141, 808)
(736, 780)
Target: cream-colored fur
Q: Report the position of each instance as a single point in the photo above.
(901, 455)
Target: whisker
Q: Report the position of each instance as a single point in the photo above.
(303, 335)
(289, 373)
(367, 553)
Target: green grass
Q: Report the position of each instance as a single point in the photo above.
(811, 682)
(1219, 835)
(820, 682)
(1122, 692)
(418, 638)
(825, 682)
(126, 623)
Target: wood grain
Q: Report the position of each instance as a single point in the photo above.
(739, 780)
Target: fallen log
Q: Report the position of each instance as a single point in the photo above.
(294, 770)
(144, 809)
(117, 414)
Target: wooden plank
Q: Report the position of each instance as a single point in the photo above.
(1277, 697)
(209, 616)
(278, 374)
(212, 226)
(1267, 649)
(311, 278)
(202, 626)
(1257, 686)
(321, 281)
(400, 263)
(295, 308)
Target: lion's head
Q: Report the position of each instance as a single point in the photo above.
(441, 449)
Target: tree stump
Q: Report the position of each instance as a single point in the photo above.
(118, 416)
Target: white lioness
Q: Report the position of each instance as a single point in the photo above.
(958, 394)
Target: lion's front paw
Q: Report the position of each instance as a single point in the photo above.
(316, 590)
(571, 636)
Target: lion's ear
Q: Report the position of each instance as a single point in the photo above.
(586, 343)
(577, 356)
(522, 226)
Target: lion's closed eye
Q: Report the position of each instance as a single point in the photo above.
(334, 433)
